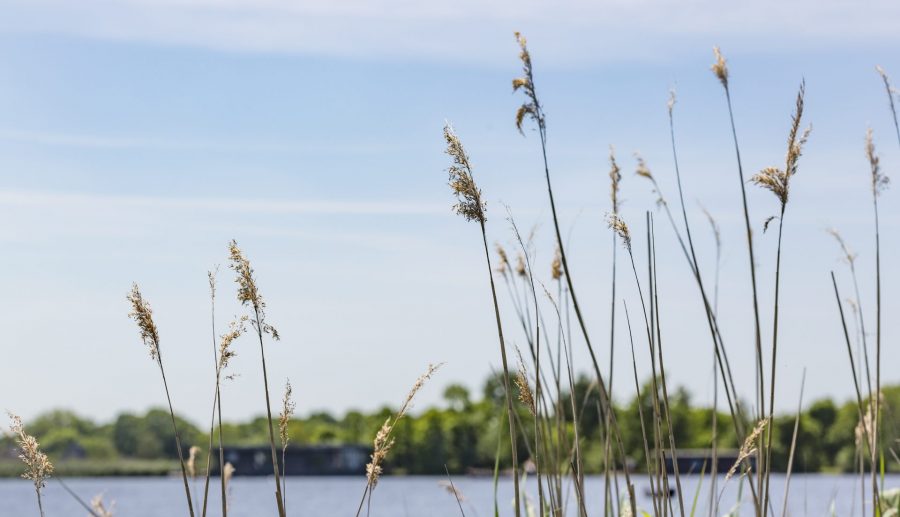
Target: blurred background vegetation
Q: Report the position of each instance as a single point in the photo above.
(463, 434)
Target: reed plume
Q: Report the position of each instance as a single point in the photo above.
(891, 91)
(778, 182)
(533, 110)
(248, 294)
(720, 70)
(526, 396)
(99, 508)
(287, 412)
(192, 458)
(471, 207)
(142, 314)
(617, 225)
(37, 466)
(384, 442)
(748, 448)
(879, 183)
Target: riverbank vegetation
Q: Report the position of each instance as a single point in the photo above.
(462, 433)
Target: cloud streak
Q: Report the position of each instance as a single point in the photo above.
(77, 202)
(469, 30)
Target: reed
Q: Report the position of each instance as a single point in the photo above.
(284, 419)
(384, 440)
(248, 294)
(778, 181)
(471, 207)
(37, 466)
(142, 314)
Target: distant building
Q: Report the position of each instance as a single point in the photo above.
(302, 460)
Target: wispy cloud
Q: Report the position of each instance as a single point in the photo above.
(76, 201)
(465, 29)
(98, 141)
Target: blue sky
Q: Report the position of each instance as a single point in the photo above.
(137, 138)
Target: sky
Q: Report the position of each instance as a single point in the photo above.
(138, 137)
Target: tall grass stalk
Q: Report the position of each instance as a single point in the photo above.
(211, 276)
(867, 430)
(778, 182)
(248, 295)
(790, 465)
(143, 316)
(471, 207)
(532, 108)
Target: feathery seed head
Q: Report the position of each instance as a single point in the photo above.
(383, 440)
(556, 271)
(748, 448)
(720, 67)
(503, 266)
(247, 290)
(37, 466)
(468, 196)
(670, 104)
(143, 316)
(192, 458)
(99, 507)
(235, 329)
(644, 172)
(879, 180)
(615, 176)
(778, 180)
(287, 411)
(520, 265)
(618, 225)
(531, 107)
(526, 397)
(849, 256)
(212, 281)
(227, 473)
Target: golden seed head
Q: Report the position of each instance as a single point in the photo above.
(526, 397)
(503, 266)
(192, 458)
(643, 171)
(469, 203)
(235, 329)
(531, 107)
(748, 448)
(452, 490)
(287, 411)
(212, 281)
(99, 507)
(720, 67)
(879, 180)
(778, 180)
(37, 466)
(247, 290)
(618, 225)
(383, 441)
(556, 266)
(615, 176)
(143, 316)
(520, 265)
(227, 473)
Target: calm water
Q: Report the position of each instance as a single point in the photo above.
(811, 495)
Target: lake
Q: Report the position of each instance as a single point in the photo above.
(415, 496)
